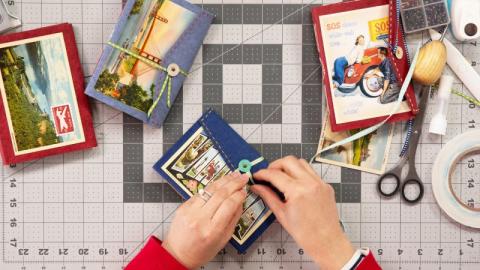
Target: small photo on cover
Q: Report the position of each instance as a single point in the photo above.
(39, 95)
(152, 28)
(196, 164)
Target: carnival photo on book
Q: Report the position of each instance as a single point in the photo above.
(150, 31)
(39, 95)
(196, 164)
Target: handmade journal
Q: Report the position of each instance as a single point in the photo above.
(365, 61)
(43, 110)
(148, 57)
(209, 150)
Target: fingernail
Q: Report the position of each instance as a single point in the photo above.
(235, 174)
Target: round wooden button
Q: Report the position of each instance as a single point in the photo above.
(173, 70)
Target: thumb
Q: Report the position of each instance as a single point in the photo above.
(270, 198)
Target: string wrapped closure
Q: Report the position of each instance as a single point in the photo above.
(245, 165)
(171, 71)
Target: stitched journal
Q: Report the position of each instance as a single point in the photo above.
(148, 57)
(364, 61)
(209, 150)
(43, 110)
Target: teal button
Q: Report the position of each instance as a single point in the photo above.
(244, 166)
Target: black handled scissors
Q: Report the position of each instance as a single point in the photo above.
(412, 177)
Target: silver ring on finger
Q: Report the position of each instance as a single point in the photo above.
(204, 194)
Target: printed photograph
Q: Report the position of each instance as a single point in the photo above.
(197, 164)
(38, 93)
(253, 208)
(363, 79)
(151, 29)
(194, 151)
(369, 153)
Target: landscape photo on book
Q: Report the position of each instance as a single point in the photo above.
(198, 163)
(368, 153)
(362, 79)
(38, 94)
(150, 31)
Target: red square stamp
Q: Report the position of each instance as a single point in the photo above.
(62, 119)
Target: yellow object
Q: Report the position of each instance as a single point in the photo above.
(432, 58)
(378, 29)
(366, 60)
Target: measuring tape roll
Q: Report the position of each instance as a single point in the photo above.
(442, 170)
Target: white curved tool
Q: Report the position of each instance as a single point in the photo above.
(460, 66)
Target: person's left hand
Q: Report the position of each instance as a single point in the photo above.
(201, 229)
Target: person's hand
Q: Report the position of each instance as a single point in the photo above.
(201, 229)
(309, 213)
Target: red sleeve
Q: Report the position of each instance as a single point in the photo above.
(368, 263)
(154, 257)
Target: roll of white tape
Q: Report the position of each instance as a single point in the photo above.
(450, 154)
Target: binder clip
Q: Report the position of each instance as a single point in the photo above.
(8, 21)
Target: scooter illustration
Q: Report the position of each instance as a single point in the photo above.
(365, 75)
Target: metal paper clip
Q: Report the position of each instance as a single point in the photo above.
(8, 21)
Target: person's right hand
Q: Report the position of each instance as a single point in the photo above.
(309, 213)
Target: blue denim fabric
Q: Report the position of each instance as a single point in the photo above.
(233, 149)
(339, 69)
(182, 53)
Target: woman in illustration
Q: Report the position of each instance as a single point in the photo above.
(341, 63)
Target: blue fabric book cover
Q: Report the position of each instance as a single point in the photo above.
(209, 150)
(148, 57)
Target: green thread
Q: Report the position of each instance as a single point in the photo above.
(167, 83)
(169, 91)
(467, 97)
(155, 103)
(462, 95)
(139, 57)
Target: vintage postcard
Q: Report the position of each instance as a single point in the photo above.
(364, 82)
(198, 163)
(151, 29)
(362, 75)
(148, 57)
(368, 154)
(39, 95)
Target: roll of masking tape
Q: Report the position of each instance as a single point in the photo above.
(442, 170)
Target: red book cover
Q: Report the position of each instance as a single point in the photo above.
(361, 74)
(43, 110)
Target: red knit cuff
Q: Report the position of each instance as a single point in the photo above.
(369, 263)
(154, 257)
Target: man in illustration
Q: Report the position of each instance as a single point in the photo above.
(61, 118)
(211, 170)
(391, 89)
(341, 63)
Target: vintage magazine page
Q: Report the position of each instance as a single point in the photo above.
(363, 82)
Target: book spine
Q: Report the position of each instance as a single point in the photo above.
(317, 41)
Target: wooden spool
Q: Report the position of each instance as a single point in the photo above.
(432, 58)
